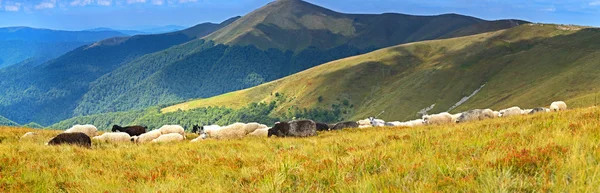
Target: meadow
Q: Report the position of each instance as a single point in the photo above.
(556, 152)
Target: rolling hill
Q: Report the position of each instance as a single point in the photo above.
(49, 92)
(21, 43)
(529, 66)
(205, 68)
(5, 122)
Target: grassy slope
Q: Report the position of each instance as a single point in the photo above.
(554, 152)
(528, 66)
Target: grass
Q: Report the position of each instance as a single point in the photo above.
(529, 66)
(556, 152)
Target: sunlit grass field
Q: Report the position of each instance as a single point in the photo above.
(557, 152)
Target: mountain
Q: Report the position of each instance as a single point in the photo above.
(164, 29)
(205, 68)
(527, 66)
(49, 92)
(20, 43)
(128, 32)
(6, 122)
(295, 25)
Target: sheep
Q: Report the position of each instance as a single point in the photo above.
(394, 123)
(364, 122)
(496, 114)
(475, 115)
(146, 137)
(166, 129)
(73, 138)
(376, 122)
(455, 117)
(29, 136)
(415, 123)
(558, 106)
(539, 110)
(197, 129)
(526, 111)
(169, 137)
(302, 128)
(345, 125)
(89, 130)
(510, 112)
(131, 130)
(322, 127)
(233, 131)
(437, 119)
(262, 132)
(113, 137)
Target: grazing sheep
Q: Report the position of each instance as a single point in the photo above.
(345, 125)
(437, 119)
(394, 123)
(415, 123)
(74, 138)
(455, 117)
(526, 111)
(146, 137)
(539, 110)
(365, 122)
(29, 136)
(302, 128)
(169, 137)
(322, 127)
(113, 137)
(558, 106)
(131, 130)
(475, 115)
(376, 122)
(510, 112)
(197, 129)
(263, 132)
(496, 114)
(166, 129)
(233, 131)
(89, 130)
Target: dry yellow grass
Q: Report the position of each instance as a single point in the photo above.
(557, 152)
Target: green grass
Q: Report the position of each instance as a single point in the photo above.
(529, 66)
(556, 152)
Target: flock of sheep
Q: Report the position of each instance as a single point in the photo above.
(83, 135)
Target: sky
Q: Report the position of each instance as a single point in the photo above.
(141, 14)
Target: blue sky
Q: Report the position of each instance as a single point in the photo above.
(138, 14)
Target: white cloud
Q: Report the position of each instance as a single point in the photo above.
(135, 1)
(158, 2)
(80, 2)
(46, 5)
(595, 3)
(13, 7)
(549, 9)
(187, 1)
(104, 2)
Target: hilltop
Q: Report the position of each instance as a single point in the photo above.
(528, 66)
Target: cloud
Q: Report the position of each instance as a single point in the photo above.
(135, 1)
(80, 2)
(549, 9)
(594, 3)
(13, 7)
(104, 2)
(187, 1)
(46, 5)
(158, 2)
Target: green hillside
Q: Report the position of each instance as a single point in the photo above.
(296, 25)
(48, 93)
(5, 122)
(204, 68)
(529, 66)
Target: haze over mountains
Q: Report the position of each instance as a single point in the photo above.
(277, 40)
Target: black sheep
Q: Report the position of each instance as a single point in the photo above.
(76, 138)
(345, 125)
(322, 127)
(131, 130)
(303, 128)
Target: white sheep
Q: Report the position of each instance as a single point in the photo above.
(455, 117)
(89, 130)
(116, 137)
(394, 123)
(526, 111)
(263, 132)
(166, 129)
(29, 136)
(146, 137)
(437, 119)
(376, 122)
(170, 137)
(510, 112)
(233, 131)
(496, 114)
(364, 122)
(558, 106)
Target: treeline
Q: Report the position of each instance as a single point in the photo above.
(264, 113)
